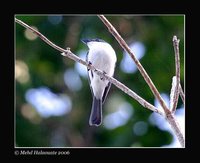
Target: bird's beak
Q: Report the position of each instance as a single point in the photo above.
(85, 41)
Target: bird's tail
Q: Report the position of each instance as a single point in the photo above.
(96, 112)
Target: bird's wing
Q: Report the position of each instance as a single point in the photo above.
(106, 92)
(90, 74)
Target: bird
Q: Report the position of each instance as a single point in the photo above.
(103, 57)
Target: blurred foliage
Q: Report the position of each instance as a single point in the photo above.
(46, 68)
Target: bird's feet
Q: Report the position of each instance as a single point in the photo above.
(89, 63)
(103, 78)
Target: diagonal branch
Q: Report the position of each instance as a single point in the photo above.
(177, 63)
(69, 54)
(169, 117)
(41, 36)
(138, 64)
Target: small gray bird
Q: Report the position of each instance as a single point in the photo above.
(102, 56)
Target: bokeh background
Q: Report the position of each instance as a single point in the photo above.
(52, 94)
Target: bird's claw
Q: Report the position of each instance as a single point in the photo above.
(103, 78)
(89, 63)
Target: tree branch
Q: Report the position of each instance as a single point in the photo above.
(177, 63)
(138, 64)
(69, 54)
(40, 35)
(176, 128)
(172, 93)
(146, 77)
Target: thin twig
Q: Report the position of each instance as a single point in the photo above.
(138, 64)
(69, 54)
(177, 63)
(41, 36)
(182, 94)
(172, 92)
